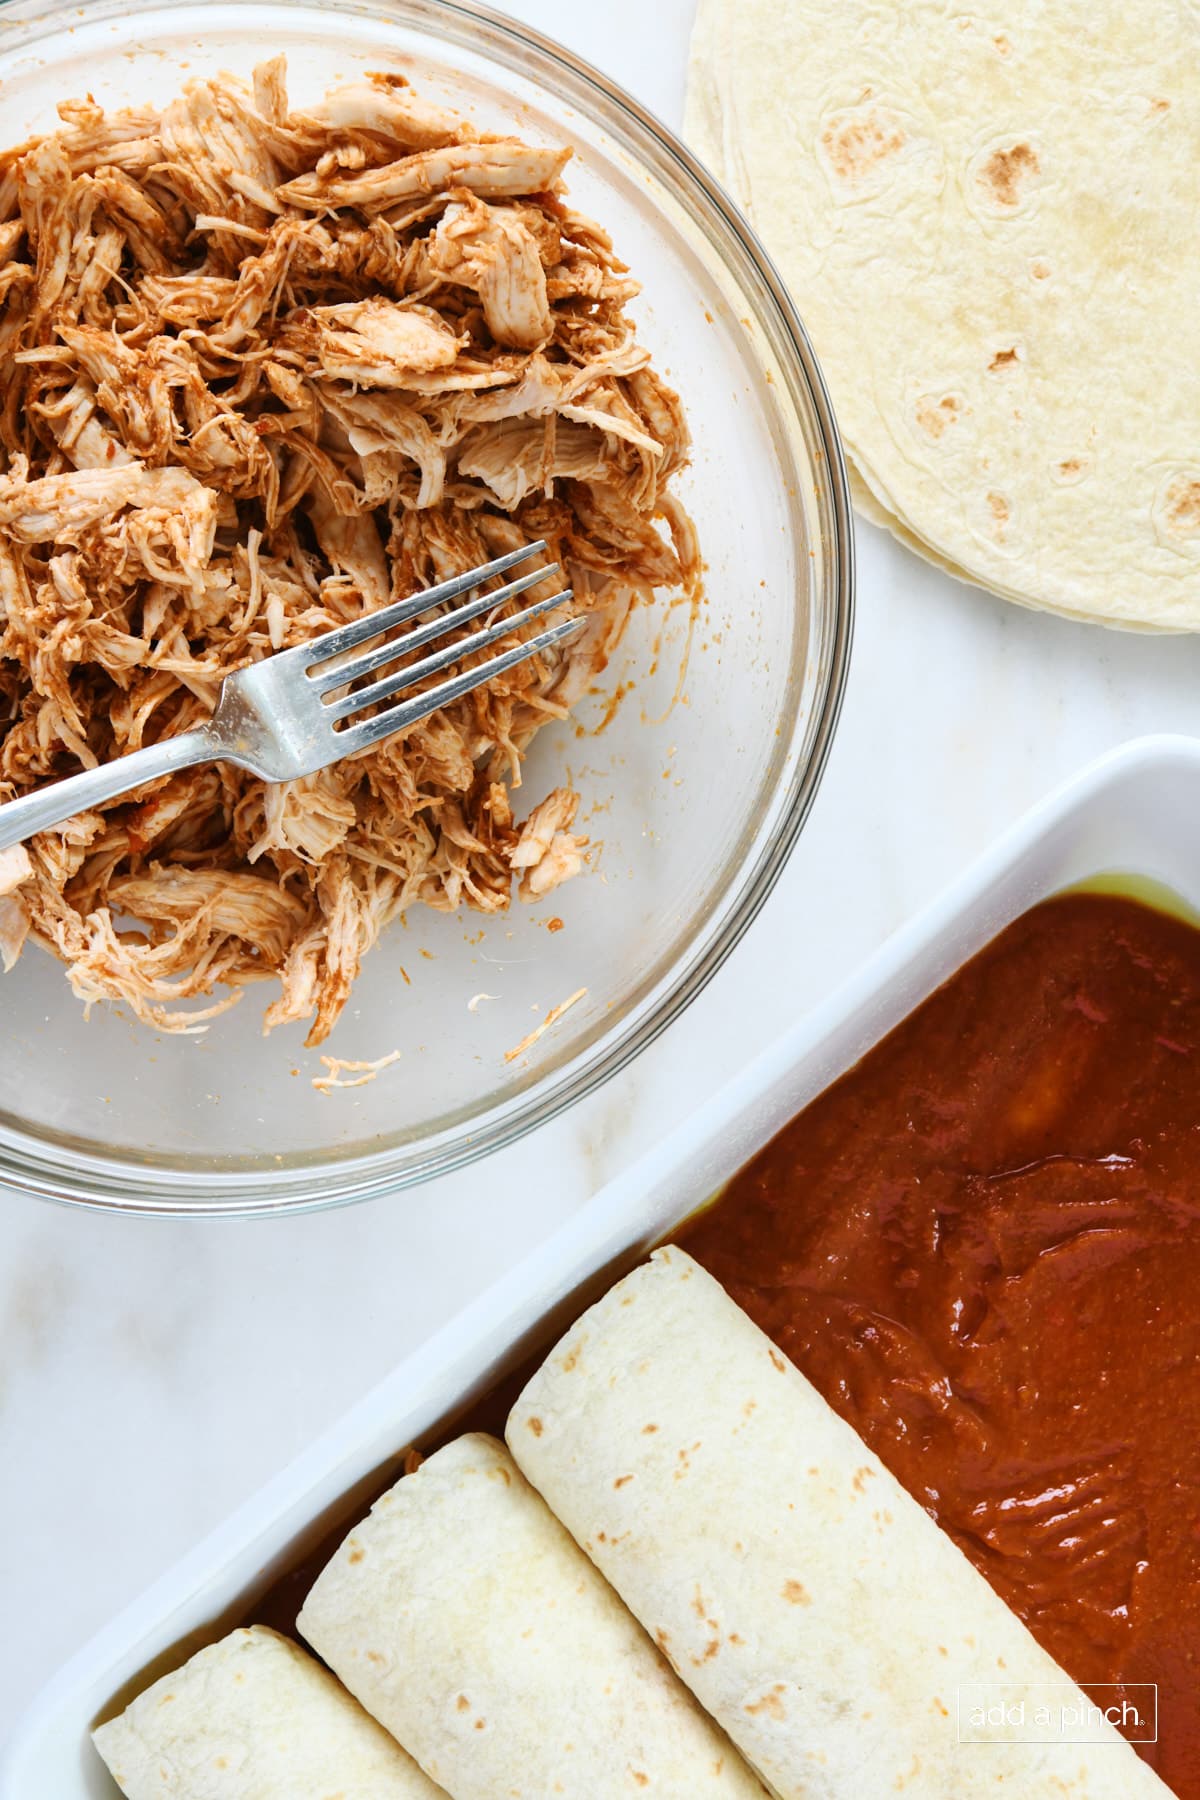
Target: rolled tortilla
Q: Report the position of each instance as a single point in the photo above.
(255, 1718)
(816, 1611)
(464, 1618)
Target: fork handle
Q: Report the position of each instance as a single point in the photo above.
(61, 800)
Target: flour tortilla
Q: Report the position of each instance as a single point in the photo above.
(255, 1718)
(987, 221)
(814, 1609)
(465, 1619)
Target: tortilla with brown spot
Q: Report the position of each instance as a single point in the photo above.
(845, 1621)
(464, 1618)
(254, 1718)
(988, 223)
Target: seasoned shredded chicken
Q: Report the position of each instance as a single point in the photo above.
(551, 1018)
(264, 371)
(360, 1074)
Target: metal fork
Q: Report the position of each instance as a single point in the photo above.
(278, 717)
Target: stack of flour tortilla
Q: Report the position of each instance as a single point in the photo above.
(685, 1577)
(987, 220)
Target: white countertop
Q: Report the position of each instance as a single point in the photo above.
(153, 1374)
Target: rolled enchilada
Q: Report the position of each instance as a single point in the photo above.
(467, 1622)
(812, 1606)
(254, 1718)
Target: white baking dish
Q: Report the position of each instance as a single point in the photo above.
(1133, 811)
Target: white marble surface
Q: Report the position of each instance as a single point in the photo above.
(152, 1374)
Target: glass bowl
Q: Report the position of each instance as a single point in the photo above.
(697, 762)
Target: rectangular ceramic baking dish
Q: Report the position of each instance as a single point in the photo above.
(1133, 812)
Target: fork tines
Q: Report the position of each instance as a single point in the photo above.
(361, 631)
(334, 671)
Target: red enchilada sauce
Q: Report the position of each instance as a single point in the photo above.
(983, 1247)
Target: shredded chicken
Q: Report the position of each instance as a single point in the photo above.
(15, 867)
(551, 1018)
(361, 1072)
(266, 370)
(546, 852)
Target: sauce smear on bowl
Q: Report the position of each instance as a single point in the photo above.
(982, 1245)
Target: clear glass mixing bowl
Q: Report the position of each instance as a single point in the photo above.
(695, 788)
